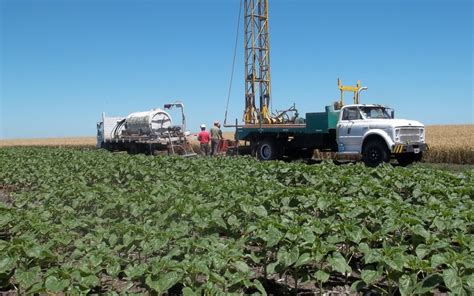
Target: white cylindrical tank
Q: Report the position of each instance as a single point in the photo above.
(151, 122)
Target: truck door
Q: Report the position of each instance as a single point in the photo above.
(348, 130)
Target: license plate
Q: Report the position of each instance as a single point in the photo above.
(416, 150)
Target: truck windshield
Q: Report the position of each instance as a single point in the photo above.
(375, 112)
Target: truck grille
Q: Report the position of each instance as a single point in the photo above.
(411, 135)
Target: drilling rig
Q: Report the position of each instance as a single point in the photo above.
(369, 131)
(257, 62)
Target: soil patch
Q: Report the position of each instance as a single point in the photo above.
(5, 197)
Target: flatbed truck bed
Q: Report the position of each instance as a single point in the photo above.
(293, 140)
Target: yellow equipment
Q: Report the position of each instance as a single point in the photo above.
(344, 88)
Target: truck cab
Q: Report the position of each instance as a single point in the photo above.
(373, 132)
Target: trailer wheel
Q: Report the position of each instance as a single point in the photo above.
(374, 153)
(268, 150)
(405, 159)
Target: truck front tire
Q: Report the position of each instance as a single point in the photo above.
(374, 153)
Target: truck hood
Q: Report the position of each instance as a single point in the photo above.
(393, 123)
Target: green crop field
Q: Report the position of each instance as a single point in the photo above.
(84, 221)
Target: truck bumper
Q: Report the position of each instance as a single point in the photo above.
(410, 148)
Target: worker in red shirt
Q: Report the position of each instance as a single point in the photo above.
(204, 138)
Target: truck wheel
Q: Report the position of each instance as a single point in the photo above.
(268, 150)
(408, 158)
(375, 153)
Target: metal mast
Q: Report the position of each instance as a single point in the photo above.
(257, 62)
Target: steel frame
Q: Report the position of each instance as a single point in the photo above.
(257, 62)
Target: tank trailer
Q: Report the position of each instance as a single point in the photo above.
(148, 132)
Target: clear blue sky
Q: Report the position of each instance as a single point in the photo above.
(64, 62)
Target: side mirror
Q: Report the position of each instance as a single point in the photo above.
(393, 114)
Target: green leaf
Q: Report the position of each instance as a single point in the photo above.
(303, 259)
(357, 286)
(167, 281)
(242, 266)
(113, 269)
(322, 203)
(113, 239)
(271, 267)
(36, 288)
(5, 218)
(257, 284)
(428, 284)
(135, 271)
(370, 276)
(395, 261)
(53, 284)
(406, 284)
(255, 259)
(421, 231)
(233, 221)
(289, 258)
(338, 263)
(469, 280)
(452, 281)
(355, 234)
(95, 260)
(128, 238)
(26, 278)
(321, 276)
(468, 262)
(273, 236)
(35, 251)
(6, 264)
(187, 291)
(438, 259)
(422, 250)
(260, 211)
(217, 217)
(89, 281)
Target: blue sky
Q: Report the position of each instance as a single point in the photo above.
(63, 62)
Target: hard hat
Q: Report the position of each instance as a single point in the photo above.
(216, 122)
(203, 125)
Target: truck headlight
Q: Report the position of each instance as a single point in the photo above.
(422, 133)
(397, 135)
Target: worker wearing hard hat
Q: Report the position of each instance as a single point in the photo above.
(216, 137)
(204, 139)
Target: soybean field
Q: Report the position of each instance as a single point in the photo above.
(78, 221)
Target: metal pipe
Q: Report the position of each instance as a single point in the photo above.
(358, 92)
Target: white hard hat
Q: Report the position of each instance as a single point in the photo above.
(203, 125)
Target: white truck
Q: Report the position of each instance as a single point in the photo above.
(368, 131)
(372, 132)
(148, 132)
